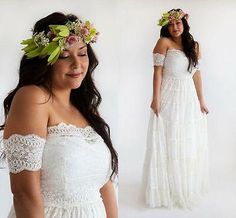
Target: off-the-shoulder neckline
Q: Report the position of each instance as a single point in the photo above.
(55, 126)
(63, 124)
(175, 49)
(171, 50)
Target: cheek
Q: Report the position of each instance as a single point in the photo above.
(181, 26)
(56, 77)
(58, 71)
(59, 66)
(85, 64)
(170, 29)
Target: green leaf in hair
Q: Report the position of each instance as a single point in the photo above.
(54, 54)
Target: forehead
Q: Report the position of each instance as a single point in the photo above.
(75, 46)
(175, 21)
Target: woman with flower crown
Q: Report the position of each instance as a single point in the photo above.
(59, 152)
(176, 161)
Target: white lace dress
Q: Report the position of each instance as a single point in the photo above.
(176, 160)
(75, 164)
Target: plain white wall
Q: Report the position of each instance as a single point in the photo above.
(124, 77)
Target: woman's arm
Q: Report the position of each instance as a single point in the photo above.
(157, 78)
(160, 48)
(109, 200)
(27, 116)
(198, 84)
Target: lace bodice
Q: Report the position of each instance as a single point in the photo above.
(175, 64)
(75, 165)
(74, 162)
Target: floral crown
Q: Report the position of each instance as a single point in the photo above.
(174, 14)
(58, 38)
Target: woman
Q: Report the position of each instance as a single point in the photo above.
(59, 151)
(175, 170)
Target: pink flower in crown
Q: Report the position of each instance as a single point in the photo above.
(94, 39)
(72, 39)
(186, 16)
(84, 31)
(171, 17)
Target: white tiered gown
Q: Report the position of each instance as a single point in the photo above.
(176, 160)
(75, 165)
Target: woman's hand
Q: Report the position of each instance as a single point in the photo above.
(203, 107)
(155, 105)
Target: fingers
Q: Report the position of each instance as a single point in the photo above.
(204, 110)
(155, 110)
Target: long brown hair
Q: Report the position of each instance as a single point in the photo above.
(189, 45)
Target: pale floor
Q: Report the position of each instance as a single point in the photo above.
(220, 202)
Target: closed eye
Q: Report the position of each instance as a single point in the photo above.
(63, 57)
(68, 56)
(84, 54)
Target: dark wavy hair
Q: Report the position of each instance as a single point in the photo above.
(86, 98)
(189, 45)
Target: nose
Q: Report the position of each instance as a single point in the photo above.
(175, 26)
(75, 63)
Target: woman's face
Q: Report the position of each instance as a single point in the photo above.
(176, 28)
(71, 67)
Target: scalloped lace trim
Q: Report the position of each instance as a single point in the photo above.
(158, 59)
(88, 133)
(24, 152)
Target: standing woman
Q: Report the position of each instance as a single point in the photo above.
(176, 162)
(60, 155)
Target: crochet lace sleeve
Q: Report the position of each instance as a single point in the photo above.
(197, 67)
(158, 59)
(24, 152)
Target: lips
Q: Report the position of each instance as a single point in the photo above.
(74, 75)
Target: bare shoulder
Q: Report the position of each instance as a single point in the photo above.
(162, 45)
(31, 93)
(29, 112)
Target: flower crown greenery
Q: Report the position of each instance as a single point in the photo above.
(57, 39)
(171, 15)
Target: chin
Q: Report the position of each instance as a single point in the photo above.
(176, 35)
(75, 85)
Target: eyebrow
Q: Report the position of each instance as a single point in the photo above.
(84, 46)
